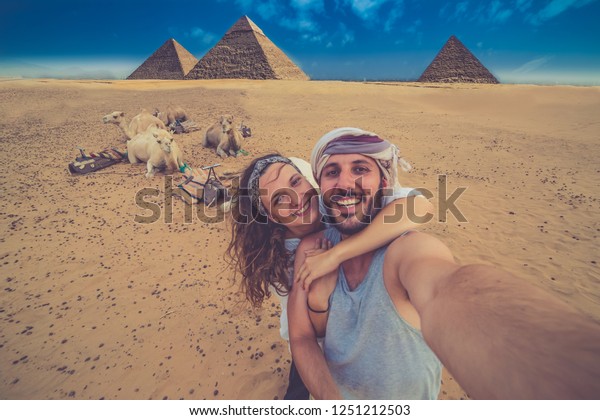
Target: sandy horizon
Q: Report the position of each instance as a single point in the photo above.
(95, 305)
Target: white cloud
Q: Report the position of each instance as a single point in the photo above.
(500, 11)
(394, 14)
(301, 11)
(413, 28)
(497, 13)
(368, 10)
(313, 38)
(299, 24)
(196, 33)
(68, 68)
(346, 35)
(245, 4)
(303, 16)
(457, 13)
(297, 15)
(309, 5)
(202, 35)
(523, 5)
(414, 32)
(342, 36)
(488, 12)
(532, 65)
(557, 7)
(461, 8)
(502, 16)
(347, 38)
(266, 9)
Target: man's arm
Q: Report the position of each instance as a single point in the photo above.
(307, 354)
(394, 219)
(499, 336)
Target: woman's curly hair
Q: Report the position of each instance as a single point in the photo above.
(257, 248)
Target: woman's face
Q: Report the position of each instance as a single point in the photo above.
(288, 197)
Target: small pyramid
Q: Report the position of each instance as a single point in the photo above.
(245, 52)
(456, 64)
(170, 61)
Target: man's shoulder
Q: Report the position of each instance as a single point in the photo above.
(415, 244)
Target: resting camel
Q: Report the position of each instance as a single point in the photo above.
(138, 124)
(157, 148)
(172, 114)
(223, 136)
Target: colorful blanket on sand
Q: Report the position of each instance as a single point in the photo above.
(92, 162)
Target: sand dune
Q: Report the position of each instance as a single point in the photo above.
(94, 305)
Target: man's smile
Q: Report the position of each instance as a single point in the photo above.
(345, 200)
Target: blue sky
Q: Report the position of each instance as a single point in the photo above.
(520, 41)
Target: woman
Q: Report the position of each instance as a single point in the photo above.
(274, 208)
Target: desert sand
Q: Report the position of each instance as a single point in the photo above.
(94, 305)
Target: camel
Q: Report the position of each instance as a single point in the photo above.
(157, 148)
(172, 114)
(138, 124)
(223, 137)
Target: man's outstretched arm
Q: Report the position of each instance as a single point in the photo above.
(307, 354)
(500, 337)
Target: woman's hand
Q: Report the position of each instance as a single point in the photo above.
(319, 261)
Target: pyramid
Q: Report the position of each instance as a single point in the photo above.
(170, 61)
(245, 52)
(456, 64)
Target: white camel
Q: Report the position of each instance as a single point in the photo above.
(138, 124)
(157, 148)
(224, 137)
(172, 114)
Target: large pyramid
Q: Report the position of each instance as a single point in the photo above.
(170, 61)
(245, 52)
(456, 64)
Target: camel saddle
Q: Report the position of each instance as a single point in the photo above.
(214, 190)
(92, 162)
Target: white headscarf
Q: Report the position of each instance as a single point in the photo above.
(349, 140)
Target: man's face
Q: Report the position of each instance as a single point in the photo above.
(350, 185)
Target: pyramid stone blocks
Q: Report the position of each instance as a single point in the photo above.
(170, 61)
(456, 64)
(245, 52)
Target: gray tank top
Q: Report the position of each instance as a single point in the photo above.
(371, 351)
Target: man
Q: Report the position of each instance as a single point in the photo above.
(499, 337)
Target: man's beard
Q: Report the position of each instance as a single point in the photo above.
(352, 224)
